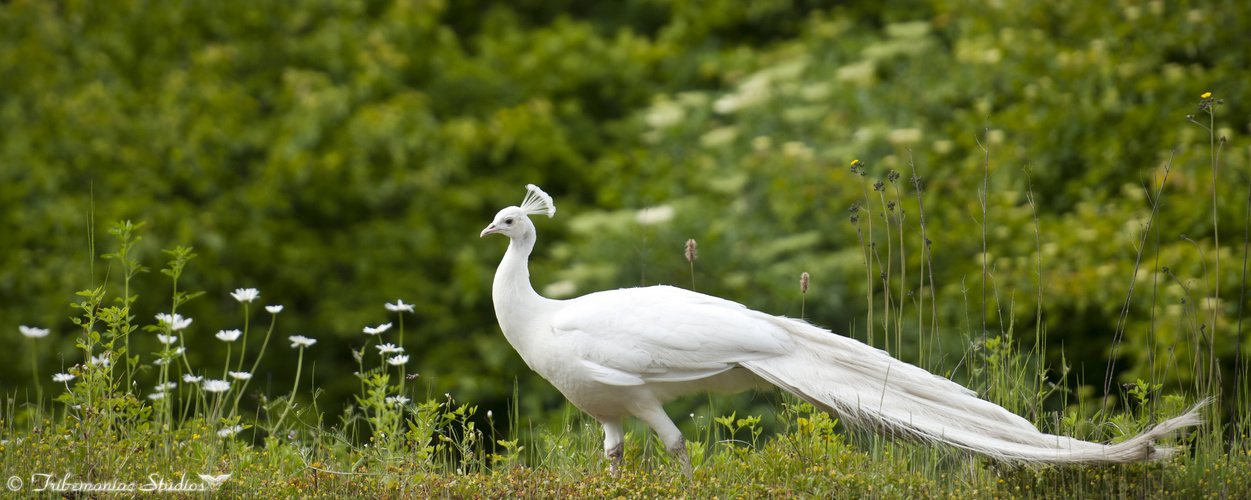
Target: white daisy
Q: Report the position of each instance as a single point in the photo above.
(397, 400)
(191, 379)
(274, 309)
(33, 332)
(389, 349)
(62, 377)
(301, 341)
(241, 375)
(245, 294)
(212, 385)
(398, 360)
(230, 431)
(399, 305)
(166, 339)
(156, 396)
(102, 360)
(229, 335)
(378, 329)
(166, 387)
(176, 322)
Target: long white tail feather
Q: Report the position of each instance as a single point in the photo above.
(868, 388)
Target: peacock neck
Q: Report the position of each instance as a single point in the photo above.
(512, 279)
(516, 303)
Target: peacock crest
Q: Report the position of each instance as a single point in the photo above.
(537, 202)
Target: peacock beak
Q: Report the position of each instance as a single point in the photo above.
(489, 230)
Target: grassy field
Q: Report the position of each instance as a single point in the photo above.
(213, 431)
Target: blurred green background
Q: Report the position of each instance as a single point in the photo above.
(340, 154)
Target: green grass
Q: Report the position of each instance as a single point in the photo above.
(811, 457)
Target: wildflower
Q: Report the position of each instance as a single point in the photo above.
(378, 329)
(156, 396)
(389, 348)
(230, 431)
(62, 377)
(212, 385)
(397, 400)
(191, 379)
(166, 339)
(102, 360)
(176, 322)
(690, 251)
(1206, 95)
(245, 294)
(229, 335)
(399, 305)
(33, 332)
(858, 167)
(803, 282)
(274, 309)
(168, 386)
(398, 360)
(301, 341)
(241, 375)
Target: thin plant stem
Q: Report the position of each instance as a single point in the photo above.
(243, 343)
(235, 408)
(927, 264)
(893, 177)
(1214, 154)
(984, 195)
(401, 321)
(299, 364)
(1119, 333)
(867, 249)
(34, 370)
(226, 368)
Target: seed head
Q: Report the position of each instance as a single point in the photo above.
(690, 251)
(803, 282)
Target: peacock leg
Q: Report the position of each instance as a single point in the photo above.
(655, 417)
(614, 444)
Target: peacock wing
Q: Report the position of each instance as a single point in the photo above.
(660, 333)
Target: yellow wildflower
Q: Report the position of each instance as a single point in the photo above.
(1206, 95)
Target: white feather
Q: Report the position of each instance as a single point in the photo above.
(537, 202)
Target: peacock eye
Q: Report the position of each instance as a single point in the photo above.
(508, 221)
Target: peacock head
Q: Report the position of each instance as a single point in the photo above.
(515, 221)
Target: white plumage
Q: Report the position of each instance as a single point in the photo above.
(626, 352)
